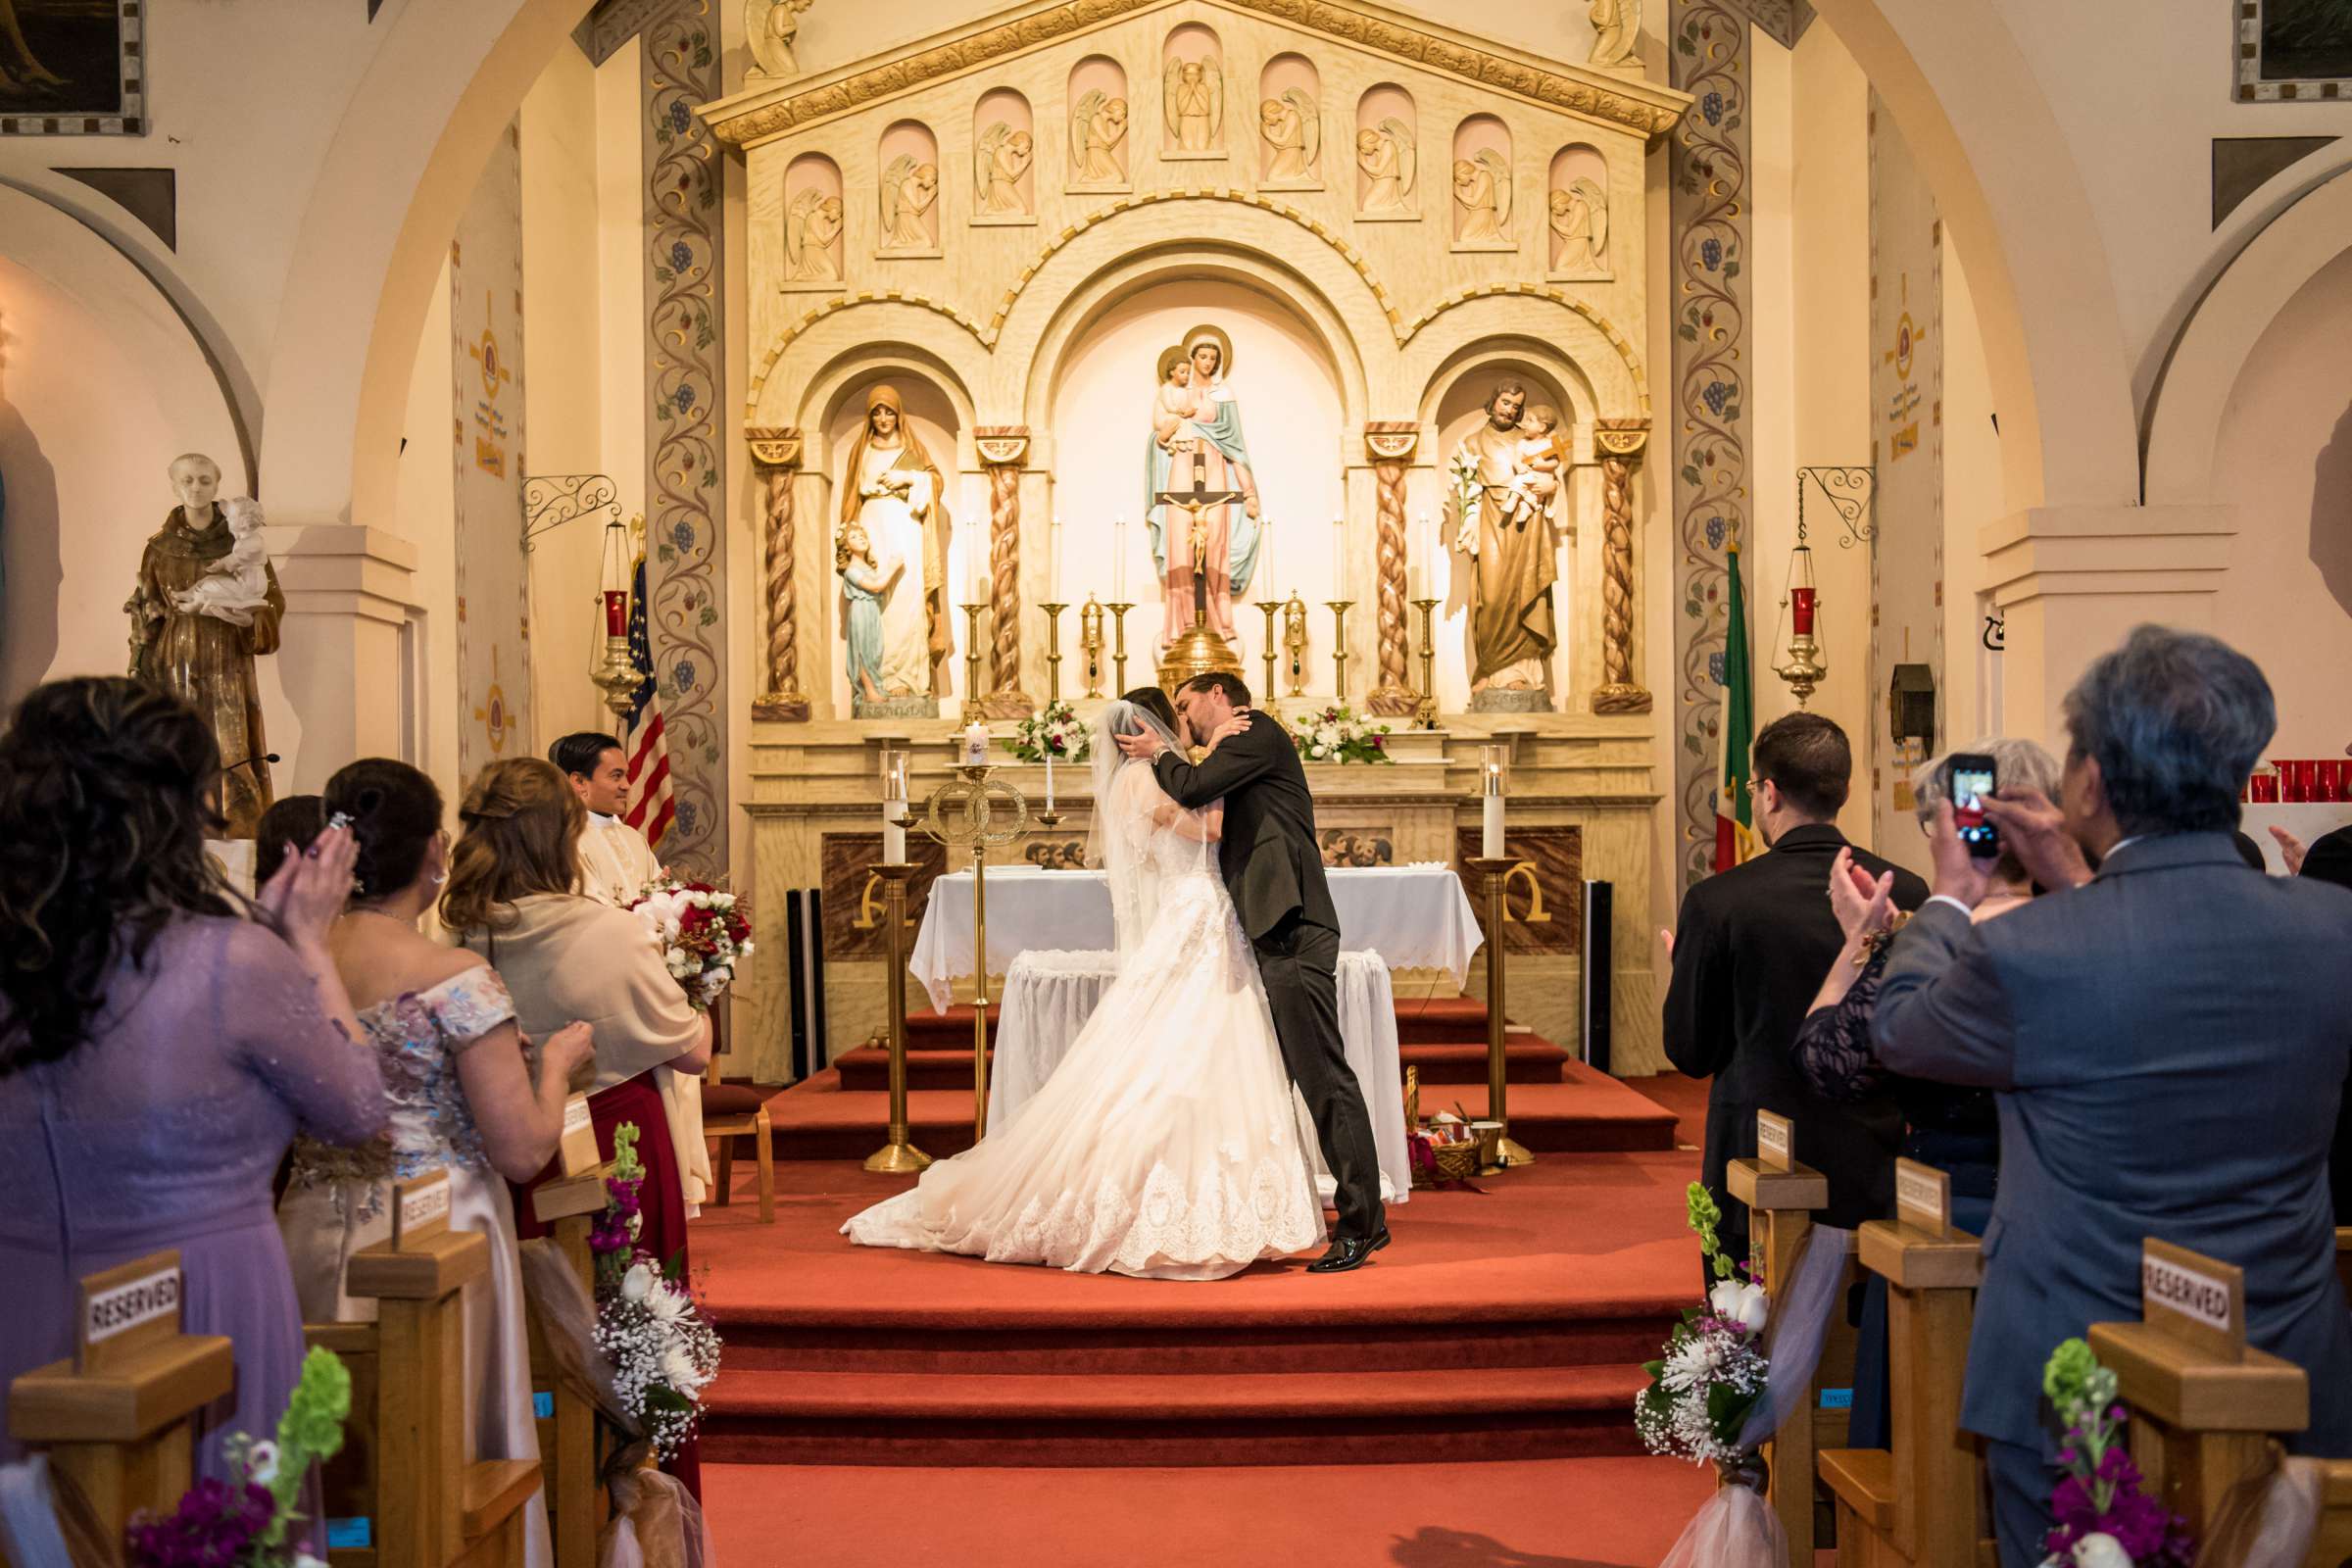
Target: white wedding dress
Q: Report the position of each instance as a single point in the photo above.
(1167, 1143)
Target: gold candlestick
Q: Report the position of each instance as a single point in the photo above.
(1090, 641)
(898, 1156)
(1053, 651)
(1293, 641)
(1119, 639)
(1495, 870)
(1339, 609)
(1272, 608)
(1426, 715)
(978, 809)
(972, 663)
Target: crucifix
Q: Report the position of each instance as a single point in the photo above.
(1199, 648)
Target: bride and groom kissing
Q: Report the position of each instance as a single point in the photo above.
(1167, 1144)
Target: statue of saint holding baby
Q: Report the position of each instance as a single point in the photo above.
(207, 605)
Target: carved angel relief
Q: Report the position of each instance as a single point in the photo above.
(770, 27)
(1616, 29)
(999, 161)
(1193, 95)
(910, 192)
(812, 238)
(1481, 198)
(1291, 128)
(1098, 139)
(1580, 229)
(1384, 155)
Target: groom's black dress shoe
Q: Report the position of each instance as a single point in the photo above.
(1349, 1251)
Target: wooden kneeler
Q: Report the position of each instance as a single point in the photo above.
(1781, 1196)
(1920, 1504)
(572, 1441)
(116, 1418)
(406, 1465)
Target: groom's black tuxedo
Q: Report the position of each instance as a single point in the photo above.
(1275, 874)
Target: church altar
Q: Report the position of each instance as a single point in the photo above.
(1413, 916)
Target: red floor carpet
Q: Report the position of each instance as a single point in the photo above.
(1464, 1401)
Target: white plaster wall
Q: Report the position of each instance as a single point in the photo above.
(2286, 462)
(426, 518)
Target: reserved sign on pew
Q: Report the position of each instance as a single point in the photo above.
(578, 1150)
(1922, 1197)
(419, 1209)
(2197, 1300)
(125, 1308)
(1776, 1140)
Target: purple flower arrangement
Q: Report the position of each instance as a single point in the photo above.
(216, 1525)
(2097, 1509)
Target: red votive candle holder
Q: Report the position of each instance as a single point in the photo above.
(2294, 781)
(2263, 788)
(616, 613)
(1800, 610)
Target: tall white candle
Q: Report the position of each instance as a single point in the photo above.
(1490, 825)
(975, 744)
(1418, 569)
(893, 806)
(1118, 559)
(1048, 782)
(1054, 564)
(1338, 557)
(975, 564)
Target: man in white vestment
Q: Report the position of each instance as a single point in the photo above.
(617, 867)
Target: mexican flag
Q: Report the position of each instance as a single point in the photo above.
(1734, 811)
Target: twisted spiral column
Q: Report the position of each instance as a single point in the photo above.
(1620, 443)
(1391, 443)
(777, 453)
(1006, 699)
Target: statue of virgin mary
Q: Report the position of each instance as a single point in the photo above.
(1193, 384)
(891, 495)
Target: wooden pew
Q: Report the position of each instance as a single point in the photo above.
(1920, 1504)
(406, 1466)
(1781, 1196)
(572, 1440)
(116, 1418)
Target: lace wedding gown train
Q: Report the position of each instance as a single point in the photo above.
(1167, 1144)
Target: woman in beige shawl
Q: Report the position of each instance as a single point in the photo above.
(563, 957)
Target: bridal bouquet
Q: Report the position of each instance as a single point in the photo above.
(1337, 735)
(663, 1354)
(703, 934)
(244, 1523)
(1054, 733)
(1714, 1368)
(2102, 1518)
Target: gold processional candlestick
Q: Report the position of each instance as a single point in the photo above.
(975, 809)
(1053, 651)
(898, 1156)
(1119, 639)
(972, 663)
(1426, 715)
(1272, 608)
(1293, 642)
(1495, 869)
(1090, 640)
(1339, 609)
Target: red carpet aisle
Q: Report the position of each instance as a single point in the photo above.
(1466, 1400)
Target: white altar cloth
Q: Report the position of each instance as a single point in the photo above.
(1414, 916)
(1048, 994)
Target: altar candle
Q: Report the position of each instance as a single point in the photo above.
(894, 806)
(1338, 557)
(1048, 782)
(1800, 610)
(975, 564)
(1490, 788)
(1268, 576)
(1118, 559)
(975, 744)
(1417, 568)
(1054, 573)
(616, 613)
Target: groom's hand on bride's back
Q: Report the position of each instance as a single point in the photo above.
(1142, 745)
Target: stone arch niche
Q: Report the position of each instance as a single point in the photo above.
(1193, 92)
(933, 415)
(1387, 155)
(908, 190)
(1288, 124)
(1576, 217)
(1479, 184)
(1101, 114)
(1004, 159)
(815, 219)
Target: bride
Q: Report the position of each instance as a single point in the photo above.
(1165, 1145)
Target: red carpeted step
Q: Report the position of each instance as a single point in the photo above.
(1528, 1058)
(1441, 1020)
(1048, 1419)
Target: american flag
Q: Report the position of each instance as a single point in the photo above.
(651, 806)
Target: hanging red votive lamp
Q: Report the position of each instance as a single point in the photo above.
(1805, 669)
(613, 672)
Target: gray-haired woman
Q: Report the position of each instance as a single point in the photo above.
(1953, 1129)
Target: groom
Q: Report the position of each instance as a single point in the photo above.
(1275, 875)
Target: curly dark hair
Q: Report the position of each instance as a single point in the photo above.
(394, 812)
(108, 789)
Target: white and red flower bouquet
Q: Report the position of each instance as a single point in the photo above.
(702, 933)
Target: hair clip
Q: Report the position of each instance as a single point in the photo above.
(340, 819)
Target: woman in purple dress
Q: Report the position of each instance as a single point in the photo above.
(160, 1043)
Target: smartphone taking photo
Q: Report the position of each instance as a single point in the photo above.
(1968, 779)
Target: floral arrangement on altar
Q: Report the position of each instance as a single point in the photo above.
(2102, 1519)
(703, 934)
(244, 1524)
(1055, 733)
(647, 1323)
(1714, 1369)
(1338, 735)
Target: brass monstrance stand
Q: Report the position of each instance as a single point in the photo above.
(977, 809)
(1199, 650)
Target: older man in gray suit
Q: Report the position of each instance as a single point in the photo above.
(2170, 1040)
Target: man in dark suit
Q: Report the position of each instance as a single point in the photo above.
(2328, 860)
(2154, 1076)
(1751, 948)
(1275, 874)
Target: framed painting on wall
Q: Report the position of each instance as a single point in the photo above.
(73, 67)
(2293, 51)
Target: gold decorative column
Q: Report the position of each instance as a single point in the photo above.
(776, 455)
(1003, 449)
(1619, 444)
(1390, 444)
